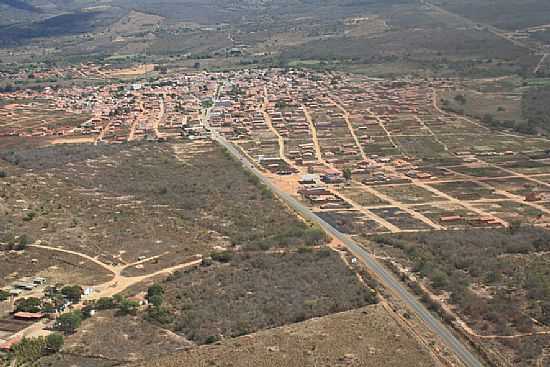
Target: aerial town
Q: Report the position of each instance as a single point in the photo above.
(368, 157)
(365, 153)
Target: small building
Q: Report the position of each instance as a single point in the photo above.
(39, 280)
(139, 298)
(308, 179)
(28, 315)
(24, 286)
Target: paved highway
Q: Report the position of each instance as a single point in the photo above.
(385, 276)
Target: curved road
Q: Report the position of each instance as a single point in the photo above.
(385, 276)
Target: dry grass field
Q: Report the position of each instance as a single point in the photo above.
(360, 337)
(495, 280)
(256, 291)
(123, 338)
(141, 200)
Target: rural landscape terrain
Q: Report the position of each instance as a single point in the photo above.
(275, 183)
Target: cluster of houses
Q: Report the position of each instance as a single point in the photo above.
(23, 285)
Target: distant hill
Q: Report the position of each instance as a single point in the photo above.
(505, 14)
(21, 5)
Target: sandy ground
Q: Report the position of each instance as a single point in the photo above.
(139, 70)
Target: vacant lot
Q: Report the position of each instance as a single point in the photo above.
(123, 338)
(535, 107)
(496, 279)
(123, 202)
(494, 109)
(360, 337)
(258, 291)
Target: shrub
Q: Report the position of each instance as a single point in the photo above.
(315, 236)
(73, 293)
(54, 342)
(105, 303)
(223, 256)
(211, 339)
(160, 315)
(29, 216)
(29, 350)
(156, 300)
(69, 322)
(4, 295)
(31, 304)
(154, 290)
(127, 307)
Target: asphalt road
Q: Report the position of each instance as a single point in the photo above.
(385, 276)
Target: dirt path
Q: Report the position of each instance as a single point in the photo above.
(133, 126)
(383, 126)
(313, 131)
(350, 127)
(110, 268)
(436, 138)
(120, 282)
(160, 117)
(460, 202)
(269, 123)
(541, 63)
(379, 195)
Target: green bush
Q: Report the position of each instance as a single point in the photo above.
(159, 315)
(31, 304)
(105, 303)
(4, 295)
(223, 256)
(73, 293)
(54, 342)
(68, 322)
(127, 307)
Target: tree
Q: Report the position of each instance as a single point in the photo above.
(439, 279)
(160, 315)
(127, 307)
(54, 342)
(347, 173)
(29, 350)
(488, 119)
(154, 290)
(22, 242)
(4, 295)
(69, 322)
(73, 293)
(222, 256)
(156, 300)
(460, 99)
(314, 236)
(105, 303)
(31, 304)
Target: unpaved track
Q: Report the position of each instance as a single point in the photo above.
(350, 127)
(540, 64)
(120, 282)
(269, 123)
(313, 130)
